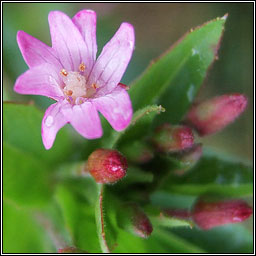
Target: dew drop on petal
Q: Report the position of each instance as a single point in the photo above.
(49, 121)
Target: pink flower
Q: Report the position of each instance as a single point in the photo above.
(69, 73)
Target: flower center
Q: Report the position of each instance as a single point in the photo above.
(76, 89)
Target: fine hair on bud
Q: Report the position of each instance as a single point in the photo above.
(107, 165)
(133, 219)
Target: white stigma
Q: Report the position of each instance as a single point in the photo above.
(76, 89)
(75, 85)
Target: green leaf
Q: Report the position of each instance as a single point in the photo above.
(170, 222)
(138, 128)
(161, 218)
(213, 175)
(233, 238)
(26, 179)
(22, 233)
(174, 79)
(79, 218)
(160, 241)
(114, 239)
(22, 129)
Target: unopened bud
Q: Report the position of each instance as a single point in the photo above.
(208, 215)
(138, 152)
(132, 219)
(189, 158)
(70, 250)
(171, 138)
(107, 166)
(214, 114)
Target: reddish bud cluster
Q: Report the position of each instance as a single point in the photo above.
(171, 138)
(208, 215)
(107, 166)
(214, 114)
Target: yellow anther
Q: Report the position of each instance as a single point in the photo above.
(64, 72)
(94, 86)
(82, 67)
(69, 92)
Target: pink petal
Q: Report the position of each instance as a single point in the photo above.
(39, 80)
(113, 60)
(84, 118)
(85, 21)
(53, 121)
(116, 107)
(36, 52)
(67, 41)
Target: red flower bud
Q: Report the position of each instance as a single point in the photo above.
(133, 219)
(107, 166)
(208, 215)
(170, 138)
(214, 114)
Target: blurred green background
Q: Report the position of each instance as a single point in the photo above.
(157, 27)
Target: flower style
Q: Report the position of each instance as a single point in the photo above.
(69, 73)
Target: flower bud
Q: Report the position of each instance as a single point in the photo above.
(107, 165)
(208, 215)
(171, 138)
(189, 158)
(214, 114)
(132, 219)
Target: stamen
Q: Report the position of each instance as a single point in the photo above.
(70, 100)
(90, 92)
(82, 67)
(64, 72)
(69, 92)
(94, 86)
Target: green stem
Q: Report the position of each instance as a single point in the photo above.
(100, 221)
